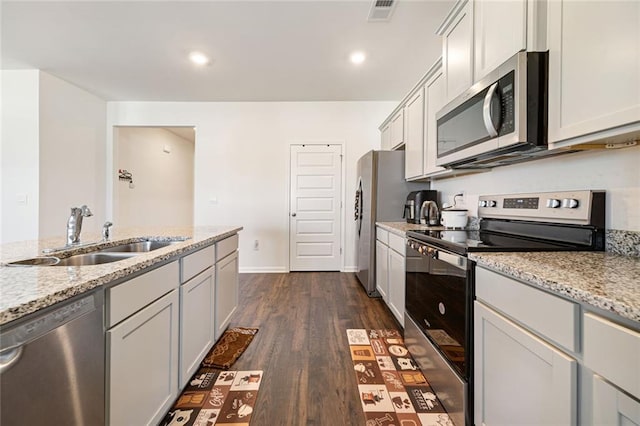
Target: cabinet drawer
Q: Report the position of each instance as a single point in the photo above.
(613, 352)
(397, 243)
(550, 316)
(197, 262)
(125, 299)
(382, 235)
(226, 247)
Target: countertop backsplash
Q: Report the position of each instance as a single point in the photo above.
(623, 242)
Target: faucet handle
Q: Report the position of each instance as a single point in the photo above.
(105, 230)
(86, 212)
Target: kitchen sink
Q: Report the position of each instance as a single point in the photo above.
(96, 258)
(36, 261)
(99, 255)
(139, 247)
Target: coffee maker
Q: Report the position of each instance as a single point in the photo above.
(413, 206)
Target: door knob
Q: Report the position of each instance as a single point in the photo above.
(293, 215)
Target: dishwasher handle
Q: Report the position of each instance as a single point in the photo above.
(9, 357)
(41, 324)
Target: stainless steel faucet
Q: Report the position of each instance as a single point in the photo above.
(74, 224)
(105, 231)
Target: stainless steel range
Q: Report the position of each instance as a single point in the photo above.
(440, 277)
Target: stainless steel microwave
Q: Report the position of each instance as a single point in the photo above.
(500, 120)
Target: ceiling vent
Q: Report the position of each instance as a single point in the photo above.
(381, 10)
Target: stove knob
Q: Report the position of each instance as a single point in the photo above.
(553, 203)
(482, 203)
(492, 203)
(570, 203)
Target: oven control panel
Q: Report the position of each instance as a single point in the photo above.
(563, 206)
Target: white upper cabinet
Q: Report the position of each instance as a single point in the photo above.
(414, 141)
(594, 71)
(397, 130)
(434, 100)
(500, 31)
(385, 137)
(457, 49)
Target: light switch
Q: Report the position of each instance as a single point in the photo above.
(166, 148)
(22, 199)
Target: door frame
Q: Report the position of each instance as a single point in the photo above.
(342, 195)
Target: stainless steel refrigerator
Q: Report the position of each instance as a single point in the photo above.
(380, 197)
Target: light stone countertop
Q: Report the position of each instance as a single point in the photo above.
(24, 290)
(607, 281)
(401, 228)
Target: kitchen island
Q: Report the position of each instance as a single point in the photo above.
(158, 307)
(24, 290)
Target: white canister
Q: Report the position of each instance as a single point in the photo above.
(453, 218)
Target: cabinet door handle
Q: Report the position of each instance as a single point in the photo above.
(293, 214)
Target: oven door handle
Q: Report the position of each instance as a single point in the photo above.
(457, 261)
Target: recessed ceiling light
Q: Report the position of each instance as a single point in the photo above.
(357, 57)
(198, 58)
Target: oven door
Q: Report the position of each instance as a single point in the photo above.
(439, 299)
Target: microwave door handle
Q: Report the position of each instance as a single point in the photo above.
(486, 111)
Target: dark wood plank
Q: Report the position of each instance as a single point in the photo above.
(302, 344)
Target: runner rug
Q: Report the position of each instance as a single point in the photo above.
(391, 387)
(229, 347)
(216, 397)
(219, 397)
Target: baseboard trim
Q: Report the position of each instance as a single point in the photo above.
(277, 270)
(263, 270)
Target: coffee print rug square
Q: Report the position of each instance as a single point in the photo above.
(391, 387)
(216, 397)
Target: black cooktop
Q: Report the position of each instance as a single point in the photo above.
(540, 238)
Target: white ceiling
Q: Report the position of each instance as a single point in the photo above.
(292, 50)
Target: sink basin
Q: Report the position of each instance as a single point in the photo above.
(95, 258)
(139, 247)
(99, 256)
(36, 261)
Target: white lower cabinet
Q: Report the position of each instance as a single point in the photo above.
(197, 319)
(382, 270)
(534, 349)
(160, 325)
(604, 404)
(390, 271)
(143, 364)
(519, 378)
(396, 284)
(226, 291)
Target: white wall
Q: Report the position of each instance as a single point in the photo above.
(162, 193)
(72, 155)
(53, 155)
(242, 161)
(616, 171)
(20, 151)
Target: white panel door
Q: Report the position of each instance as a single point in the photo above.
(315, 208)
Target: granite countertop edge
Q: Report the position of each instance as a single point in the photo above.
(67, 282)
(591, 293)
(626, 305)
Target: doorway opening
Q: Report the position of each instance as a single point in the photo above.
(154, 176)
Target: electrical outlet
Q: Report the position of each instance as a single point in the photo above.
(256, 245)
(459, 200)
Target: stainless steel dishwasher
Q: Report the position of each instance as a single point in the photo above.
(52, 368)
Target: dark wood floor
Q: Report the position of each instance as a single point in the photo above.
(302, 344)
